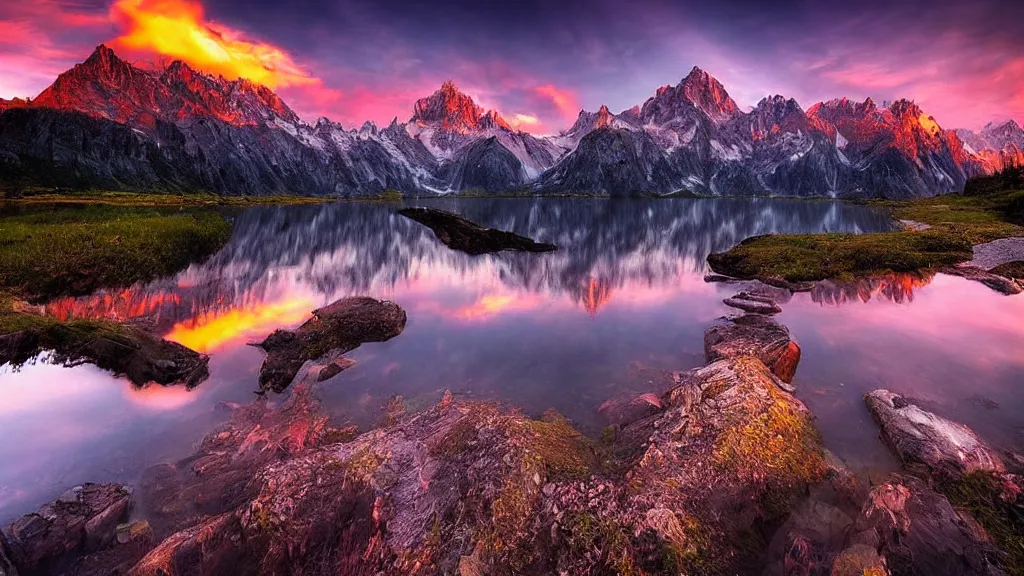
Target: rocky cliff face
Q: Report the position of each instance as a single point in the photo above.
(107, 123)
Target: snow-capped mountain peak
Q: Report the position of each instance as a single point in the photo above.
(175, 127)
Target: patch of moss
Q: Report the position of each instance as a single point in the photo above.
(391, 195)
(807, 257)
(999, 511)
(1010, 270)
(587, 534)
(958, 222)
(363, 463)
(565, 453)
(779, 446)
(976, 218)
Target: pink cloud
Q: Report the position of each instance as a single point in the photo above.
(564, 99)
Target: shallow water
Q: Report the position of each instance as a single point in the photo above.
(566, 330)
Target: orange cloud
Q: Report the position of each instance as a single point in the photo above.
(524, 121)
(177, 29)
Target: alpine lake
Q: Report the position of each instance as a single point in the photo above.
(625, 296)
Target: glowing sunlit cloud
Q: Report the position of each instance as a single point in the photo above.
(179, 30)
(215, 330)
(564, 100)
(523, 121)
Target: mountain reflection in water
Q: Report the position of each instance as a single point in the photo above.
(282, 260)
(623, 298)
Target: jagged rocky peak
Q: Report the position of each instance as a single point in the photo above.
(1002, 134)
(102, 67)
(843, 107)
(589, 121)
(708, 94)
(604, 117)
(910, 115)
(368, 128)
(778, 114)
(108, 87)
(491, 119)
(778, 106)
(104, 62)
(698, 90)
(450, 109)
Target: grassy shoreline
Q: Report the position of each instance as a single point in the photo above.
(75, 250)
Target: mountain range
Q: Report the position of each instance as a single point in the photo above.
(106, 123)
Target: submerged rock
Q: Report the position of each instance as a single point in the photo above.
(334, 329)
(918, 436)
(217, 477)
(460, 234)
(82, 520)
(753, 303)
(1000, 284)
(455, 480)
(628, 409)
(757, 336)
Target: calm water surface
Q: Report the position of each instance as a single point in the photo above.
(566, 330)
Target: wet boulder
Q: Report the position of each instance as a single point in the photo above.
(754, 335)
(471, 488)
(460, 234)
(333, 330)
(921, 437)
(82, 520)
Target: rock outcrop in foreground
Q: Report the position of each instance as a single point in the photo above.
(469, 488)
(333, 330)
(460, 234)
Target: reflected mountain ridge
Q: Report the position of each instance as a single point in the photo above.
(328, 251)
(898, 288)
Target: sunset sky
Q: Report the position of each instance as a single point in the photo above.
(538, 61)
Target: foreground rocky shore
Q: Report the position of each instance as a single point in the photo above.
(723, 473)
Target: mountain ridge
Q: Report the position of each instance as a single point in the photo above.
(178, 128)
